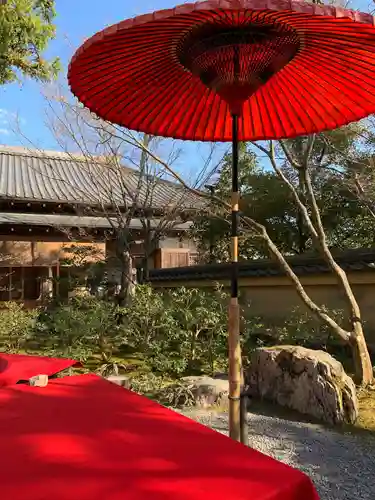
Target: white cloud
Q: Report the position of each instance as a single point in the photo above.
(4, 112)
(4, 116)
(8, 121)
(7, 117)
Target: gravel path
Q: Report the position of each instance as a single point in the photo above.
(342, 466)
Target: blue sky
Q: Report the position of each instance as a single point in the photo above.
(77, 20)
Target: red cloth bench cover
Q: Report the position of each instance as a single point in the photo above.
(85, 438)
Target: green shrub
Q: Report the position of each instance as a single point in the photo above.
(16, 325)
(298, 328)
(304, 329)
(166, 391)
(178, 331)
(202, 318)
(174, 332)
(149, 384)
(83, 326)
(171, 332)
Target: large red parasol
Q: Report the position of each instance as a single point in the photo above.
(301, 68)
(231, 70)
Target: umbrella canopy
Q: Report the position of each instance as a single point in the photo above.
(15, 368)
(85, 438)
(288, 68)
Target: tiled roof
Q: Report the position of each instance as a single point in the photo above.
(352, 260)
(50, 176)
(69, 221)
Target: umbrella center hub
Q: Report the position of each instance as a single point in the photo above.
(236, 61)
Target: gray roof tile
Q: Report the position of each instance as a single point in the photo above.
(302, 265)
(68, 221)
(51, 176)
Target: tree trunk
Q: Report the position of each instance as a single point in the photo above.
(126, 281)
(355, 338)
(302, 239)
(148, 247)
(364, 374)
(361, 356)
(357, 341)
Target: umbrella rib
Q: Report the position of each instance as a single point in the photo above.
(132, 73)
(327, 97)
(134, 91)
(170, 104)
(331, 76)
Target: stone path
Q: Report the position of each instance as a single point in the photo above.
(342, 466)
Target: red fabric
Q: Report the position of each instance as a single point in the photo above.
(85, 438)
(17, 367)
(130, 73)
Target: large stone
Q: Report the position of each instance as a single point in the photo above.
(208, 391)
(311, 382)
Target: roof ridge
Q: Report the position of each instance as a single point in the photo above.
(50, 154)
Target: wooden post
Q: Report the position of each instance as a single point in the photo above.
(234, 309)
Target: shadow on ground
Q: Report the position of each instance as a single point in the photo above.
(342, 465)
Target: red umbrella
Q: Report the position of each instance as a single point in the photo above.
(231, 70)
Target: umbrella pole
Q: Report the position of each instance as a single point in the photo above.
(234, 310)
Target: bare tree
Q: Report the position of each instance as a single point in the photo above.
(121, 180)
(305, 200)
(310, 216)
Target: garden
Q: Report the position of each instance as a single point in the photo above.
(160, 338)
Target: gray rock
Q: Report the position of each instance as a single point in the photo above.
(208, 391)
(311, 382)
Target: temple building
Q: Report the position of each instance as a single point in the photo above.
(51, 202)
